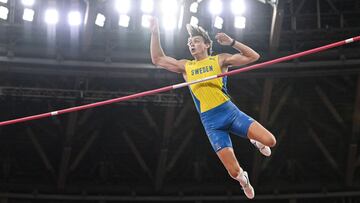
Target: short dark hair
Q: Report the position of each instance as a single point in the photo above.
(199, 31)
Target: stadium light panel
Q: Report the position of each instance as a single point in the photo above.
(169, 6)
(215, 7)
(169, 22)
(124, 20)
(28, 2)
(4, 12)
(238, 7)
(122, 6)
(145, 20)
(74, 18)
(218, 22)
(181, 17)
(147, 6)
(194, 7)
(51, 16)
(169, 11)
(100, 20)
(194, 21)
(28, 14)
(240, 22)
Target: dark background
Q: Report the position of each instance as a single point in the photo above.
(154, 148)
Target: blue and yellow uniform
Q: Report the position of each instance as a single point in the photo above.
(218, 114)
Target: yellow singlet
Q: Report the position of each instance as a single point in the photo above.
(209, 94)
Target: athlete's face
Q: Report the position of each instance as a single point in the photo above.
(197, 45)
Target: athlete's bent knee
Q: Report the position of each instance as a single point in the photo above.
(271, 141)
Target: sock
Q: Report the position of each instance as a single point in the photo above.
(258, 144)
(241, 178)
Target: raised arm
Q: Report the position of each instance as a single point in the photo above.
(246, 55)
(158, 56)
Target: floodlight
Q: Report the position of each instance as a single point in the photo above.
(145, 20)
(100, 20)
(194, 21)
(194, 7)
(51, 16)
(28, 2)
(169, 6)
(169, 22)
(215, 7)
(239, 22)
(181, 17)
(124, 20)
(238, 7)
(28, 14)
(122, 6)
(218, 22)
(74, 18)
(147, 6)
(4, 12)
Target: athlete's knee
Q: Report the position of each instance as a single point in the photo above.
(270, 141)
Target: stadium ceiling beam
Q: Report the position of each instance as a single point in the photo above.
(274, 150)
(300, 6)
(180, 150)
(333, 7)
(150, 120)
(67, 149)
(41, 152)
(85, 117)
(264, 113)
(183, 113)
(323, 149)
(78, 68)
(168, 130)
(12, 7)
(168, 99)
(279, 106)
(84, 150)
(325, 99)
(354, 138)
(270, 122)
(318, 14)
(88, 30)
(276, 25)
(137, 154)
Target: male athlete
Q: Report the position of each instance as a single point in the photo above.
(218, 114)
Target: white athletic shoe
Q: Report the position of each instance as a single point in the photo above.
(246, 186)
(265, 150)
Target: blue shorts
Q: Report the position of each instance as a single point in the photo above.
(221, 120)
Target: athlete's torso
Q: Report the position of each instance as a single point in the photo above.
(209, 94)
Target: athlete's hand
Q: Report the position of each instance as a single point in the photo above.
(154, 25)
(223, 38)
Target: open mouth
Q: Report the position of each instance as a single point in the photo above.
(192, 49)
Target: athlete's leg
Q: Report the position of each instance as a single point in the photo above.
(260, 134)
(221, 143)
(244, 126)
(227, 157)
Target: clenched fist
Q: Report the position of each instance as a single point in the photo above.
(223, 38)
(154, 25)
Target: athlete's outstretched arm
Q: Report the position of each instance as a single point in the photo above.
(158, 56)
(246, 55)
